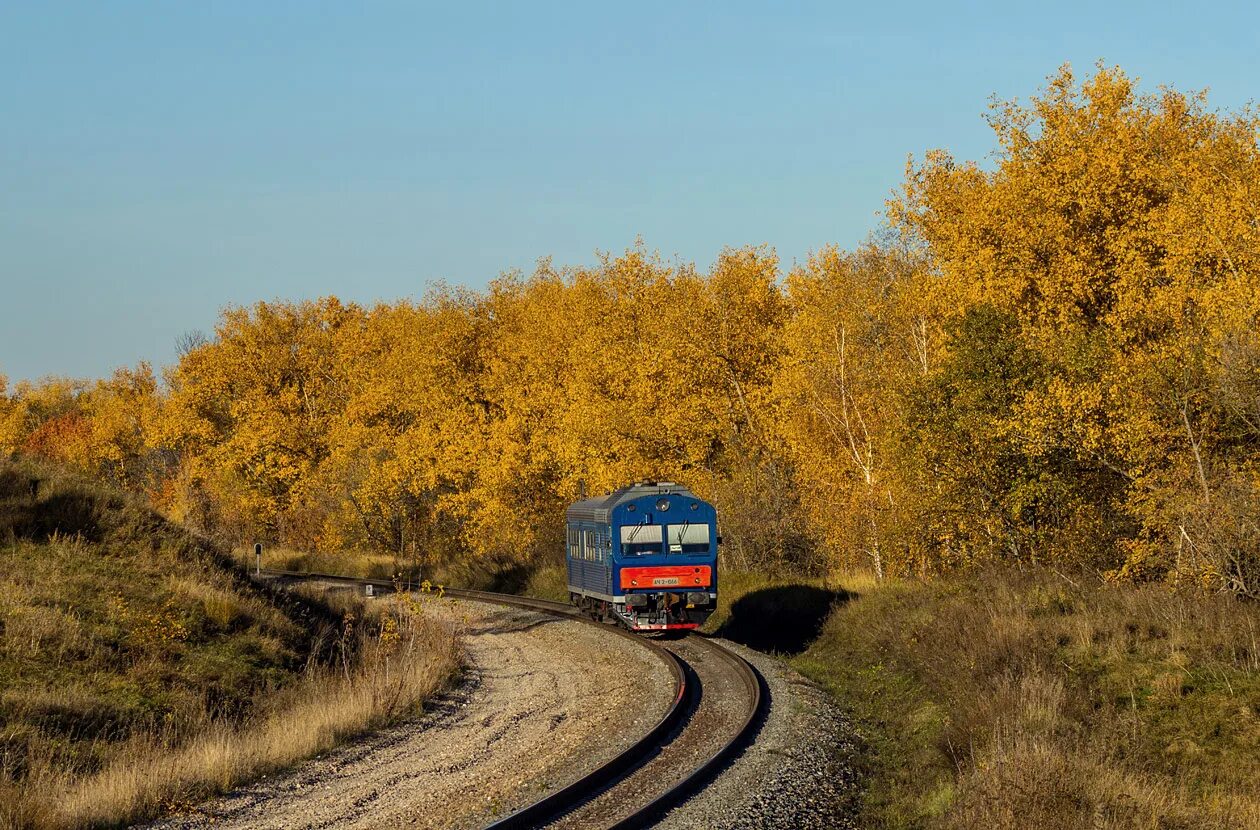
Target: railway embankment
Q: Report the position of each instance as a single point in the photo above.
(803, 769)
(722, 716)
(141, 672)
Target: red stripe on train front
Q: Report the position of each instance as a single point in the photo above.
(678, 577)
(664, 627)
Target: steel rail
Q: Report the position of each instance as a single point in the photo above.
(698, 778)
(555, 804)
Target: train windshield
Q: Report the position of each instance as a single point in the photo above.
(689, 538)
(637, 540)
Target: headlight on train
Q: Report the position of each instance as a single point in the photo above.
(638, 600)
(697, 599)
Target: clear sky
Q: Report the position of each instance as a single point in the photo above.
(161, 160)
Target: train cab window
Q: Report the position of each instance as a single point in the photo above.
(688, 537)
(637, 540)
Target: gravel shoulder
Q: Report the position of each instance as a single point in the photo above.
(543, 701)
(799, 773)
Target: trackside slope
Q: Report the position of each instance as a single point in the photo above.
(126, 644)
(1003, 699)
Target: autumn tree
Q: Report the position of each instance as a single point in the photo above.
(1117, 239)
(400, 448)
(249, 414)
(853, 358)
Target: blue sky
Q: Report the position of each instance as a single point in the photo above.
(161, 160)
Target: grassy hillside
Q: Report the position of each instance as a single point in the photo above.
(1009, 700)
(126, 644)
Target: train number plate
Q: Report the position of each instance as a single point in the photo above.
(665, 580)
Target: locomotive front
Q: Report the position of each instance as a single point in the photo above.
(644, 556)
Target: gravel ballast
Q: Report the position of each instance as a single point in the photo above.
(723, 705)
(799, 772)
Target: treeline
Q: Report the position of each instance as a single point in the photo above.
(1054, 360)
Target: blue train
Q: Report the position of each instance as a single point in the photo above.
(644, 556)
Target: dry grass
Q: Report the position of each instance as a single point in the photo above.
(548, 582)
(1004, 700)
(403, 662)
(140, 670)
(367, 564)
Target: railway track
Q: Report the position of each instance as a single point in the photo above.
(718, 704)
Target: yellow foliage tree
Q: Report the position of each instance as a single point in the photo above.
(1118, 237)
(249, 415)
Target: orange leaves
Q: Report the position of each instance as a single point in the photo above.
(63, 438)
(104, 428)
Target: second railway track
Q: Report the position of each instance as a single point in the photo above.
(720, 701)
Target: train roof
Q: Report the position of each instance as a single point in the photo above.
(600, 508)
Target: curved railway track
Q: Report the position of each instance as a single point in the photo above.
(696, 738)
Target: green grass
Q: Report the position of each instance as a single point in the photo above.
(1024, 700)
(112, 621)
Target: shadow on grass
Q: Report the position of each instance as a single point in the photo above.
(784, 619)
(24, 514)
(510, 579)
